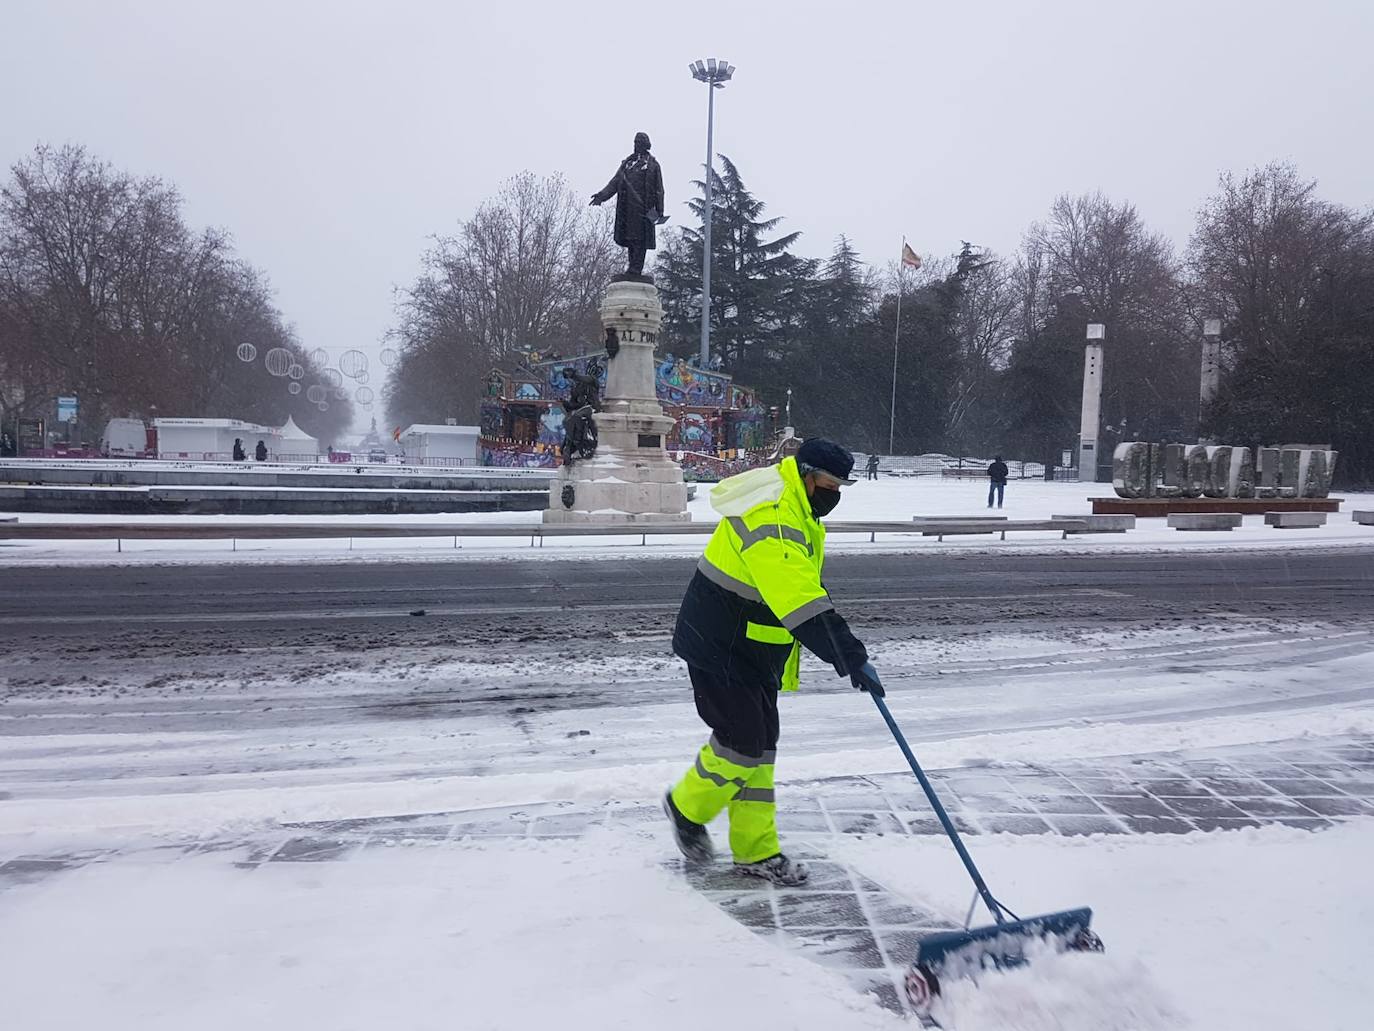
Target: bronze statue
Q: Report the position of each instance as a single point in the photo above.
(637, 187)
(579, 430)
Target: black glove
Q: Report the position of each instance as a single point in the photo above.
(827, 636)
(865, 678)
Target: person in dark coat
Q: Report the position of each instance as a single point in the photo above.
(260, 452)
(239, 453)
(872, 467)
(997, 480)
(637, 187)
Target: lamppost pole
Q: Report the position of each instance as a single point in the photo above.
(715, 74)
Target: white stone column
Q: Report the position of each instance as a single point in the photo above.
(1089, 428)
(631, 479)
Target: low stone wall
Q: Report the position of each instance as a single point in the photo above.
(1158, 508)
(245, 474)
(211, 501)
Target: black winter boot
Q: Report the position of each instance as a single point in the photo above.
(692, 839)
(779, 869)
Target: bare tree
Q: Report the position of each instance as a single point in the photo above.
(524, 273)
(106, 293)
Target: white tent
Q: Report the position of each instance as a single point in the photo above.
(211, 439)
(296, 442)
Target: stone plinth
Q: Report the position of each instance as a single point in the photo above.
(1294, 520)
(631, 479)
(1205, 520)
(1102, 523)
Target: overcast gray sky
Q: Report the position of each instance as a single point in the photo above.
(333, 138)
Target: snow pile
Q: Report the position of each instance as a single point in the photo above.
(1254, 930)
(1061, 992)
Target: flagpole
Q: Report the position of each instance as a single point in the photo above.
(896, 335)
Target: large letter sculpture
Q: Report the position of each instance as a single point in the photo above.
(1141, 470)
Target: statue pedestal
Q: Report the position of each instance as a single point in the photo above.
(631, 479)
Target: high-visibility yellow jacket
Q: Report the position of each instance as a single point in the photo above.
(757, 591)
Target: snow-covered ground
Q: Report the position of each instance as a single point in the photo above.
(144, 786)
(599, 929)
(1250, 931)
(886, 500)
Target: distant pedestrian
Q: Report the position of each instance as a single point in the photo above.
(239, 453)
(872, 467)
(260, 452)
(997, 480)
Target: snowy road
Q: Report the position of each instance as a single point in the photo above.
(177, 680)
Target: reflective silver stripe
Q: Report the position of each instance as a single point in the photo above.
(748, 538)
(716, 778)
(723, 579)
(755, 795)
(739, 758)
(797, 617)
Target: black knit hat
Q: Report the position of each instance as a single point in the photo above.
(827, 457)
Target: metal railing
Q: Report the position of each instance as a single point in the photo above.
(536, 532)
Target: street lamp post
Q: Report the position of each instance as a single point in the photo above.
(715, 74)
(1090, 422)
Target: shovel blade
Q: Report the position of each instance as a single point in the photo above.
(965, 952)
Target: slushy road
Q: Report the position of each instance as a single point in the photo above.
(512, 599)
(180, 678)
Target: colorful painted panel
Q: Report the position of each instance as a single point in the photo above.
(490, 419)
(511, 458)
(681, 384)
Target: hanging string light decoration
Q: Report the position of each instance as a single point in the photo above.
(352, 363)
(279, 361)
(246, 352)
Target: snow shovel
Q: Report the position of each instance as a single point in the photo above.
(963, 953)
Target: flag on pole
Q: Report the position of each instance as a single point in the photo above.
(396, 434)
(910, 257)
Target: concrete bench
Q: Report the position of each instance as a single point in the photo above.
(1294, 520)
(942, 528)
(1363, 518)
(1205, 520)
(1103, 523)
(968, 519)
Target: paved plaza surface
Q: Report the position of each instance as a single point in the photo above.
(842, 918)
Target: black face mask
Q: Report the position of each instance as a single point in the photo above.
(823, 501)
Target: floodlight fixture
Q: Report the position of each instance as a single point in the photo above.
(1097, 331)
(1211, 328)
(712, 71)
